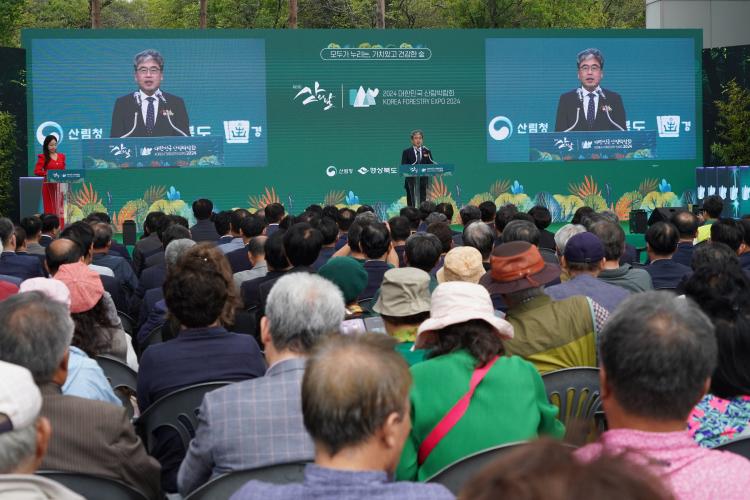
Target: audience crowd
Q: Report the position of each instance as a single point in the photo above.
(376, 354)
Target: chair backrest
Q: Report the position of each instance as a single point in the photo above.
(575, 391)
(455, 475)
(224, 486)
(128, 324)
(740, 446)
(155, 336)
(118, 373)
(177, 410)
(93, 487)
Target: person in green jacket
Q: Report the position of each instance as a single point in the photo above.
(509, 404)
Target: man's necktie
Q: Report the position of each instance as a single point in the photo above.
(419, 155)
(590, 115)
(150, 114)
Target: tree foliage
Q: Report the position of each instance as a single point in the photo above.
(8, 149)
(18, 14)
(732, 146)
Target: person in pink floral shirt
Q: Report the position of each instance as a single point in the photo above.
(657, 354)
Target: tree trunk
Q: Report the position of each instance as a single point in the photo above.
(203, 9)
(96, 13)
(380, 14)
(292, 22)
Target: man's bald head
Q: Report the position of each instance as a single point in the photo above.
(61, 251)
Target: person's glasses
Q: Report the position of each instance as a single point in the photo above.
(594, 68)
(149, 71)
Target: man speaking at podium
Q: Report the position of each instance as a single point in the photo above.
(416, 154)
(590, 107)
(149, 112)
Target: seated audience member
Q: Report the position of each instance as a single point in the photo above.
(467, 215)
(221, 223)
(552, 335)
(85, 377)
(251, 227)
(358, 432)
(199, 292)
(425, 209)
(657, 354)
(83, 234)
(445, 209)
(583, 260)
(169, 228)
(687, 225)
(503, 215)
(20, 240)
(563, 235)
(153, 309)
(330, 232)
(730, 232)
(256, 254)
(488, 209)
(153, 276)
(713, 205)
(98, 329)
(73, 248)
(90, 437)
(24, 437)
(468, 341)
(523, 230)
(102, 256)
(629, 254)
(274, 212)
(744, 252)
(351, 278)
(582, 213)
(423, 252)
(116, 248)
(443, 232)
(723, 292)
(547, 470)
(344, 222)
(661, 244)
(461, 264)
(258, 422)
(22, 267)
(624, 275)
(542, 220)
(33, 227)
(50, 229)
(277, 265)
(403, 304)
(400, 230)
(713, 253)
(375, 242)
(412, 214)
(480, 236)
(204, 228)
(235, 221)
(149, 244)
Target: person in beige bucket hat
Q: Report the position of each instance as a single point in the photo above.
(403, 304)
(461, 264)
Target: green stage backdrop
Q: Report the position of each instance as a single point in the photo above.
(323, 116)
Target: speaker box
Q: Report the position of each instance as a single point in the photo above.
(128, 233)
(637, 221)
(664, 214)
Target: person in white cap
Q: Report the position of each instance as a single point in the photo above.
(469, 395)
(24, 437)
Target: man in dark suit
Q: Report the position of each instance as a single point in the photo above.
(204, 229)
(12, 264)
(149, 112)
(661, 244)
(590, 107)
(687, 225)
(416, 154)
(89, 437)
(50, 229)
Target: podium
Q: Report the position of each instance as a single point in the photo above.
(62, 179)
(424, 170)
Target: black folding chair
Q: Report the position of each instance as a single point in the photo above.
(177, 410)
(128, 323)
(455, 475)
(575, 391)
(740, 446)
(93, 487)
(224, 486)
(122, 378)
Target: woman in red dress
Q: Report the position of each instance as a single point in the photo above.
(52, 195)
